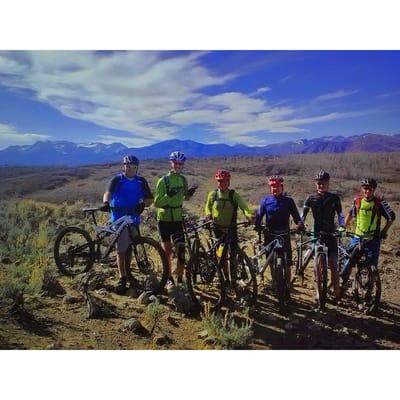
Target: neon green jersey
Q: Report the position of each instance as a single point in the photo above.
(220, 207)
(170, 208)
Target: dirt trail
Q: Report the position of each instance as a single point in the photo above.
(51, 322)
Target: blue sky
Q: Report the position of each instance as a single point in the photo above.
(247, 97)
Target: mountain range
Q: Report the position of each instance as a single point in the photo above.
(73, 154)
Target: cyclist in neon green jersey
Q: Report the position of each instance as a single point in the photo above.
(171, 190)
(222, 205)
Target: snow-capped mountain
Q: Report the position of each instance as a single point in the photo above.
(68, 153)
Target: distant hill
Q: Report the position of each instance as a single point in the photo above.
(73, 154)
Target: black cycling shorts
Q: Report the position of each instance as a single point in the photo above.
(171, 231)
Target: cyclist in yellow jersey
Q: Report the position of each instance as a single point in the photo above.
(222, 205)
(367, 211)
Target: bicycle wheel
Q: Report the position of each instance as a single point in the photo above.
(280, 281)
(74, 251)
(205, 281)
(367, 286)
(321, 279)
(151, 266)
(244, 279)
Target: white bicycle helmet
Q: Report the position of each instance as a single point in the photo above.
(131, 160)
(177, 156)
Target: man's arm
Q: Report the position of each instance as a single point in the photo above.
(208, 205)
(339, 212)
(388, 214)
(242, 204)
(295, 213)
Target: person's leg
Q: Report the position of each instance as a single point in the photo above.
(122, 246)
(348, 265)
(289, 261)
(332, 262)
(179, 241)
(165, 234)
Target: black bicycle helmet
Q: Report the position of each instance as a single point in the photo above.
(322, 176)
(369, 182)
(131, 160)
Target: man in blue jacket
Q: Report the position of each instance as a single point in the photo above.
(277, 209)
(127, 194)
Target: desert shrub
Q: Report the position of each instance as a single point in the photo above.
(225, 331)
(154, 311)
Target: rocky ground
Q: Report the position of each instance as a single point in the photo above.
(59, 319)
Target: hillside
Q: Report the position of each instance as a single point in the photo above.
(32, 213)
(73, 154)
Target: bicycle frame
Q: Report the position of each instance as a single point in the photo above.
(115, 229)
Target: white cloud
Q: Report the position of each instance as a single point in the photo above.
(335, 95)
(389, 94)
(150, 95)
(9, 136)
(287, 78)
(127, 141)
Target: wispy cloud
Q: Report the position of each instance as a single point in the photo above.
(9, 136)
(335, 95)
(389, 94)
(151, 95)
(287, 78)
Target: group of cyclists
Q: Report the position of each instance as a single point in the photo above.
(130, 192)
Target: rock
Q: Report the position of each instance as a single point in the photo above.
(67, 299)
(160, 340)
(52, 287)
(203, 334)
(132, 292)
(132, 324)
(144, 298)
(183, 304)
(172, 321)
(54, 346)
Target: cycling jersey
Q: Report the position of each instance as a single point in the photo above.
(368, 213)
(170, 208)
(277, 211)
(222, 206)
(126, 194)
(324, 207)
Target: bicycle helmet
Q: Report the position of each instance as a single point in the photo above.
(131, 160)
(322, 176)
(369, 182)
(177, 156)
(275, 180)
(222, 175)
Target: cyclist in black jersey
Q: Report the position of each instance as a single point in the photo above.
(324, 206)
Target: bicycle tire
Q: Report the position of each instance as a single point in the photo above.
(369, 293)
(68, 259)
(321, 280)
(151, 261)
(279, 275)
(244, 280)
(205, 282)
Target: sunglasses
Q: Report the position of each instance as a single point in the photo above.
(321, 183)
(178, 163)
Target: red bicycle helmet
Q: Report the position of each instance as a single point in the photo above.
(222, 175)
(275, 180)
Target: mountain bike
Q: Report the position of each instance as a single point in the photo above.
(315, 246)
(273, 254)
(367, 287)
(206, 277)
(76, 251)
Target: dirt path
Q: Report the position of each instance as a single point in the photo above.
(51, 322)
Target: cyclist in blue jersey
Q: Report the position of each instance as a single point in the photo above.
(129, 194)
(277, 208)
